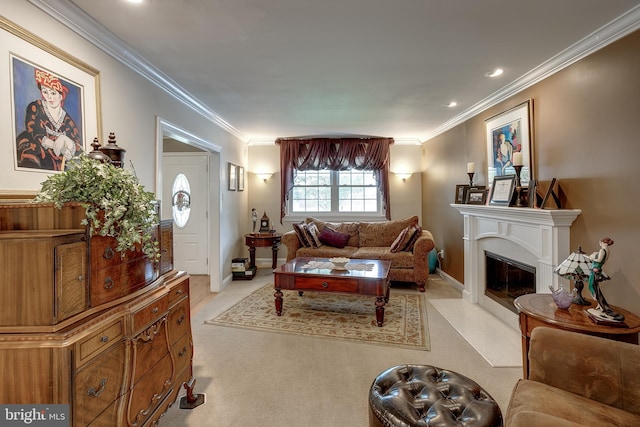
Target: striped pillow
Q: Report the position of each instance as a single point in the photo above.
(300, 232)
(401, 241)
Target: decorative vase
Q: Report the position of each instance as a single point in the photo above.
(561, 297)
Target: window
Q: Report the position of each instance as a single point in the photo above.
(181, 200)
(335, 192)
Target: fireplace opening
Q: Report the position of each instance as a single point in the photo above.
(507, 279)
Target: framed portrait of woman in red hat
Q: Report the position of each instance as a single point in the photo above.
(54, 103)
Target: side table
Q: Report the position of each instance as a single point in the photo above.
(262, 240)
(540, 310)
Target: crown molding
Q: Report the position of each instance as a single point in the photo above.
(603, 36)
(91, 30)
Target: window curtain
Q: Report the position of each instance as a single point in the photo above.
(334, 154)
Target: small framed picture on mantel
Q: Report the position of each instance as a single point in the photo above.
(502, 190)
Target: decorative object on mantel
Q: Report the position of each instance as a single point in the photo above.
(115, 204)
(476, 196)
(461, 193)
(603, 311)
(576, 267)
(471, 170)
(502, 190)
(538, 201)
(115, 153)
(561, 297)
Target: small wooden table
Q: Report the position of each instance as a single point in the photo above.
(262, 240)
(540, 310)
(295, 276)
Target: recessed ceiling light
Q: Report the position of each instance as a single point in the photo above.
(495, 73)
(452, 104)
(135, 1)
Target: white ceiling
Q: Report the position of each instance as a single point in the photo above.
(281, 68)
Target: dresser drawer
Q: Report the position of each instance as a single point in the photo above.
(150, 313)
(179, 321)
(326, 284)
(179, 291)
(152, 388)
(110, 283)
(104, 254)
(182, 352)
(98, 385)
(97, 342)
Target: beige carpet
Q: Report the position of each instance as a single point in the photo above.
(334, 316)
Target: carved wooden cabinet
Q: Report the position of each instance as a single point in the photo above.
(81, 324)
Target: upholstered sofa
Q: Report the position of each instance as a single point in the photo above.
(371, 240)
(577, 380)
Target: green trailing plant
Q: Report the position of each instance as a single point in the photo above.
(116, 204)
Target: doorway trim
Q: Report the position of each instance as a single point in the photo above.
(166, 128)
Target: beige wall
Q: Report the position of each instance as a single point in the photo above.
(585, 135)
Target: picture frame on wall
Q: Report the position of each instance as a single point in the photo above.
(476, 196)
(508, 133)
(502, 190)
(461, 193)
(240, 177)
(231, 176)
(54, 90)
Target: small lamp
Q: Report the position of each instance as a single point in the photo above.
(576, 267)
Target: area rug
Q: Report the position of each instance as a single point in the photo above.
(334, 316)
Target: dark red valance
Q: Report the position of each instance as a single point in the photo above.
(334, 154)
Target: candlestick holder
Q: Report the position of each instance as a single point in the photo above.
(519, 202)
(470, 178)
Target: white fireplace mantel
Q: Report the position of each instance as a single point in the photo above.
(536, 237)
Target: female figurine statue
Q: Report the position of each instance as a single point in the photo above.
(603, 310)
(254, 219)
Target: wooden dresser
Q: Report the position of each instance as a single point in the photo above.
(108, 333)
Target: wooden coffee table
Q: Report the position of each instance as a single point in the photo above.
(370, 282)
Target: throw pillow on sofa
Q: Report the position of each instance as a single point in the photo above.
(331, 237)
(311, 232)
(299, 229)
(416, 232)
(406, 239)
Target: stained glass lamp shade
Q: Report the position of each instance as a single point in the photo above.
(576, 267)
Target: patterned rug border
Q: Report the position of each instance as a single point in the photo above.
(412, 332)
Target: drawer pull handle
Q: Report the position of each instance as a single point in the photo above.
(182, 352)
(95, 393)
(80, 278)
(325, 285)
(104, 338)
(155, 310)
(180, 320)
(179, 292)
(108, 253)
(108, 283)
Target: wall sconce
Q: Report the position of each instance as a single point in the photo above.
(404, 176)
(264, 176)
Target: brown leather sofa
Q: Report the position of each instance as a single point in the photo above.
(577, 380)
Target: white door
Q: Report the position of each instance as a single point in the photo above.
(190, 242)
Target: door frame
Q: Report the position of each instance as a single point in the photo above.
(166, 128)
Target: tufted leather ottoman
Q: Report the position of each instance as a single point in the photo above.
(422, 395)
